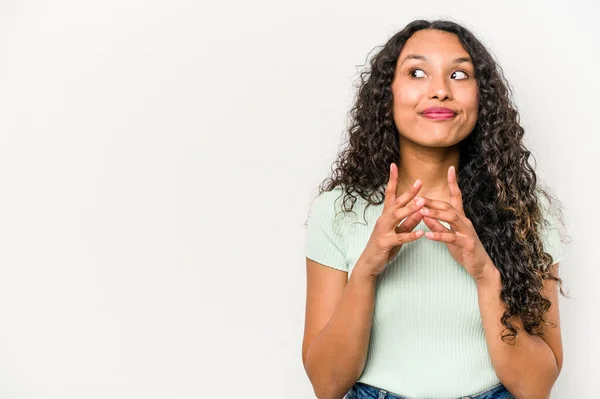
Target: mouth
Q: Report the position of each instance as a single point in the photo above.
(439, 116)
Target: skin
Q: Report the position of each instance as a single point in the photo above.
(429, 147)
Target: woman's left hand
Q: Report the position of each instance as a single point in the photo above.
(461, 239)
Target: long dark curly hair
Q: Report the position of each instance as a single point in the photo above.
(497, 182)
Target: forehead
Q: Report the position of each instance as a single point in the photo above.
(433, 43)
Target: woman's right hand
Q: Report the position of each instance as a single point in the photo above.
(388, 237)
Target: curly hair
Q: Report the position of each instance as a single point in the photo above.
(497, 182)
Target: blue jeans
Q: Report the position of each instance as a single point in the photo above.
(363, 391)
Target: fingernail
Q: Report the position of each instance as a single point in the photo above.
(416, 183)
(417, 198)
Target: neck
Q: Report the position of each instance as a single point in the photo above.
(430, 164)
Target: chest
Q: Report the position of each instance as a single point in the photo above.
(422, 286)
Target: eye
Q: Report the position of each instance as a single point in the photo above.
(464, 73)
(412, 71)
(461, 74)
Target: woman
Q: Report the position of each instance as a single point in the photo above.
(432, 255)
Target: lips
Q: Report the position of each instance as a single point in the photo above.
(438, 113)
(438, 116)
(439, 110)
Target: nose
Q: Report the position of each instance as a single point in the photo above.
(439, 88)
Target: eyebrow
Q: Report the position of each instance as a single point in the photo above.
(423, 58)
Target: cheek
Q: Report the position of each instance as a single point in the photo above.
(408, 95)
(474, 103)
(470, 103)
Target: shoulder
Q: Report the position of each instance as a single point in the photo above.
(337, 209)
(327, 206)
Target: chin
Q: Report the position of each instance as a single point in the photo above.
(441, 142)
(437, 139)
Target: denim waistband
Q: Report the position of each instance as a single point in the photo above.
(361, 390)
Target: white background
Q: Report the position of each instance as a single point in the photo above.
(157, 161)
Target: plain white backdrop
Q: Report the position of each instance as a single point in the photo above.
(157, 161)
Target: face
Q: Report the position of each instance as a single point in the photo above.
(434, 70)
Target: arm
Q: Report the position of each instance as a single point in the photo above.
(530, 367)
(338, 328)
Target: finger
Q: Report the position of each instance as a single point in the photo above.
(435, 225)
(390, 189)
(452, 217)
(437, 204)
(401, 213)
(455, 193)
(409, 223)
(403, 238)
(450, 238)
(409, 194)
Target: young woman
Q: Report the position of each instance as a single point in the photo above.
(432, 252)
